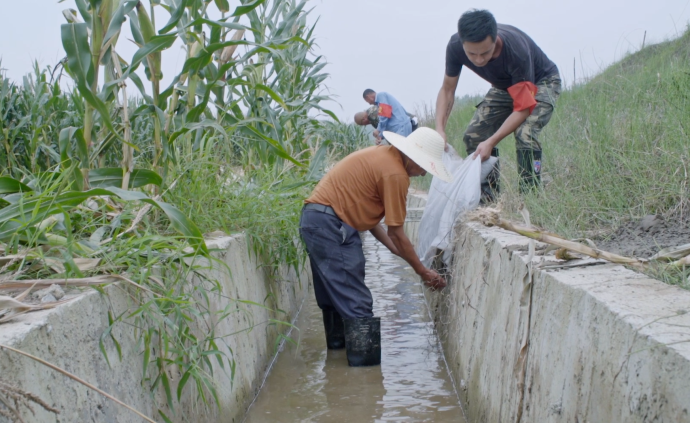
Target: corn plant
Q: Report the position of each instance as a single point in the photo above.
(249, 85)
(31, 117)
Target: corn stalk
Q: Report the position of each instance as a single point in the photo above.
(154, 74)
(127, 149)
(92, 44)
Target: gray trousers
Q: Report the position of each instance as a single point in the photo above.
(337, 265)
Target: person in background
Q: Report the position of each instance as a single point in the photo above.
(354, 196)
(385, 114)
(525, 85)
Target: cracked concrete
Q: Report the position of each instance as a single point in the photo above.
(68, 337)
(606, 344)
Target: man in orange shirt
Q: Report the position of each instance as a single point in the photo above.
(525, 85)
(354, 196)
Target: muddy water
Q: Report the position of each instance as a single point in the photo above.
(312, 384)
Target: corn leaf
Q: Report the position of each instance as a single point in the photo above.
(84, 11)
(223, 5)
(140, 85)
(112, 177)
(280, 150)
(66, 135)
(10, 186)
(214, 24)
(318, 162)
(207, 123)
(100, 106)
(156, 44)
(244, 9)
(273, 94)
(136, 30)
(175, 16)
(75, 41)
(119, 18)
(24, 214)
(195, 64)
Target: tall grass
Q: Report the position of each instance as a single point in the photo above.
(618, 146)
(262, 203)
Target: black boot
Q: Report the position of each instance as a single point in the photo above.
(335, 330)
(490, 188)
(363, 341)
(529, 167)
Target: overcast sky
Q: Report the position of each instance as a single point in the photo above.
(398, 46)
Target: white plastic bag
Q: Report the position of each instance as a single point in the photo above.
(447, 201)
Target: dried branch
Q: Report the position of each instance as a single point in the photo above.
(492, 217)
(20, 397)
(77, 379)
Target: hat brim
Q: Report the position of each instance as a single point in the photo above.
(419, 156)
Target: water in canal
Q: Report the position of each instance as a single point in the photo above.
(312, 384)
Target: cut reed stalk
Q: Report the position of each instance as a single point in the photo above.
(492, 217)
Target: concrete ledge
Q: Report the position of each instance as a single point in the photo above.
(587, 344)
(68, 336)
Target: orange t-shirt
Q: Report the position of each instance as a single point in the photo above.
(365, 186)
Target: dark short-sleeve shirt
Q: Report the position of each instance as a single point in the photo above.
(521, 60)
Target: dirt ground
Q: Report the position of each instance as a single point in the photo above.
(645, 237)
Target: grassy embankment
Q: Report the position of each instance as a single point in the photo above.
(617, 147)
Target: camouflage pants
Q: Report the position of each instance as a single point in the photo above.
(498, 105)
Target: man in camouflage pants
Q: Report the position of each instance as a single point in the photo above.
(525, 87)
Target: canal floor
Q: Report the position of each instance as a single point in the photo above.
(309, 383)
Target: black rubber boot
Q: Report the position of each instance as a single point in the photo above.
(490, 188)
(529, 167)
(335, 330)
(363, 341)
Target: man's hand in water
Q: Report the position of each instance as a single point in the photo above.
(433, 280)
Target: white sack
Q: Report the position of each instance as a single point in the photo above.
(447, 201)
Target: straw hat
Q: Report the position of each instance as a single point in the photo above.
(424, 147)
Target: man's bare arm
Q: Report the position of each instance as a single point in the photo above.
(444, 103)
(406, 251)
(514, 120)
(381, 235)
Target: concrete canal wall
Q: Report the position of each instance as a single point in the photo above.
(596, 344)
(68, 337)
